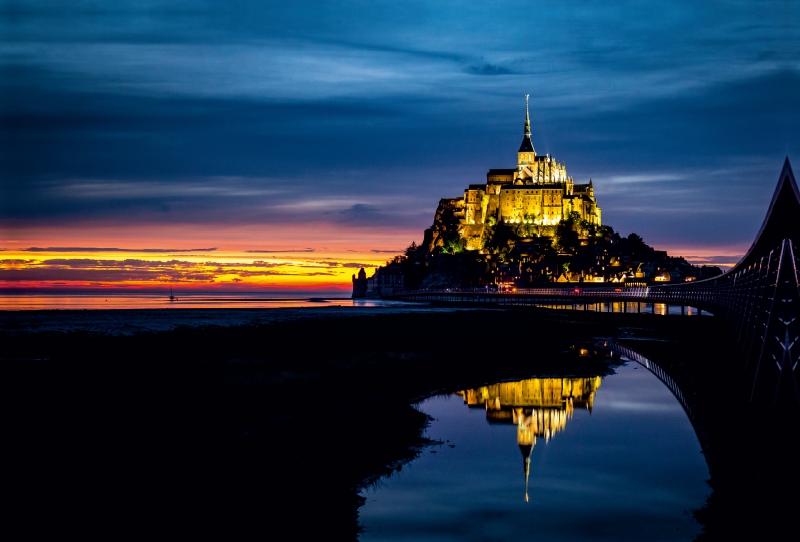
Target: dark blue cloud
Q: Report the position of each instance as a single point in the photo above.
(253, 111)
(489, 69)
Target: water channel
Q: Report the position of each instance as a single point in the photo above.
(611, 458)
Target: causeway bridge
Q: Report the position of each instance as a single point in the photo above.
(759, 298)
(643, 299)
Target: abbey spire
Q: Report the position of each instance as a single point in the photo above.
(527, 145)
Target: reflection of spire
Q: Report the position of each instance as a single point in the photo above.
(525, 439)
(526, 463)
(539, 407)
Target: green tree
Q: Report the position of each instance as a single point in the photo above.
(566, 238)
(453, 246)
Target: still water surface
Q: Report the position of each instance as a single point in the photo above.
(94, 301)
(628, 469)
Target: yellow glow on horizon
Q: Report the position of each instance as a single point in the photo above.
(214, 269)
(251, 256)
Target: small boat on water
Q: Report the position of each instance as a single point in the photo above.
(172, 297)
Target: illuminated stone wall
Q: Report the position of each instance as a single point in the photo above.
(537, 192)
(541, 194)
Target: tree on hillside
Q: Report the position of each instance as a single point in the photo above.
(567, 239)
(635, 246)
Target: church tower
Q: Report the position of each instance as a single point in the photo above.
(526, 153)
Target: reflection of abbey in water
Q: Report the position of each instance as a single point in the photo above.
(539, 407)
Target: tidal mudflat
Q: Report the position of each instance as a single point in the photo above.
(228, 429)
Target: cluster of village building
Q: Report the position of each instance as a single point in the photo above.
(523, 270)
(611, 262)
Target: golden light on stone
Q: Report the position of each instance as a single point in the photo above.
(538, 187)
(538, 407)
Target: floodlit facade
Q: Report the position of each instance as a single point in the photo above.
(537, 193)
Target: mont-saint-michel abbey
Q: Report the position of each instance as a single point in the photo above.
(538, 192)
(525, 226)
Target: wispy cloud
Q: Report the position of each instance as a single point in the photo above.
(88, 270)
(279, 251)
(489, 69)
(725, 261)
(214, 186)
(138, 270)
(640, 178)
(360, 211)
(115, 249)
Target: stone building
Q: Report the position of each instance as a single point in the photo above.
(360, 284)
(385, 281)
(537, 193)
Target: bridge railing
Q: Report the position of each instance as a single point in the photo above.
(623, 293)
(656, 369)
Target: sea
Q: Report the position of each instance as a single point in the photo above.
(102, 301)
(128, 314)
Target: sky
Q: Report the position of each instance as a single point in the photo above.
(258, 145)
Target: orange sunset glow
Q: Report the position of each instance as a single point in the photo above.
(321, 257)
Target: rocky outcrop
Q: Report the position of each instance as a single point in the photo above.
(446, 224)
(360, 284)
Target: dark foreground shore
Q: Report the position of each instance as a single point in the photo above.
(257, 429)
